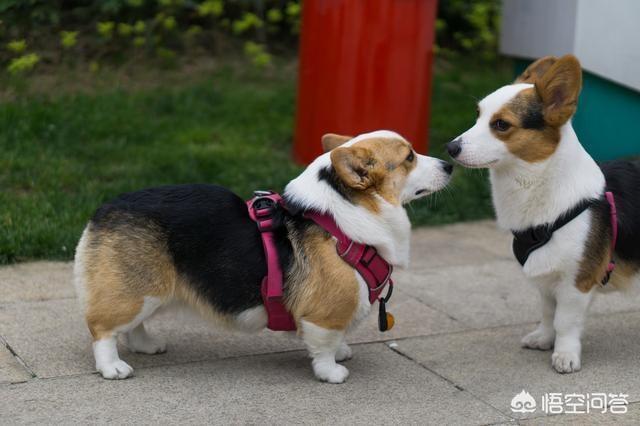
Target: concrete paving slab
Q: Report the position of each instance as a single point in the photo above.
(485, 235)
(491, 365)
(36, 281)
(58, 342)
(11, 371)
(412, 318)
(481, 295)
(437, 247)
(493, 294)
(384, 388)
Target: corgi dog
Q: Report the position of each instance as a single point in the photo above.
(552, 195)
(197, 245)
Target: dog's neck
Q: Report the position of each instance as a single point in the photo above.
(530, 194)
(388, 231)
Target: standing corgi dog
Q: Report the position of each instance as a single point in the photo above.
(197, 245)
(552, 195)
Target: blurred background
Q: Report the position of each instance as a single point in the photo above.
(103, 97)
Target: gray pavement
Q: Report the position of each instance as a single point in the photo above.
(453, 358)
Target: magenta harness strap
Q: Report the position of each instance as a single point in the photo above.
(614, 234)
(261, 209)
(374, 270)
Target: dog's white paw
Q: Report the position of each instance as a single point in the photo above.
(539, 339)
(115, 370)
(565, 362)
(335, 373)
(344, 352)
(146, 345)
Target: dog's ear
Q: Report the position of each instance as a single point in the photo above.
(331, 141)
(536, 70)
(559, 89)
(353, 166)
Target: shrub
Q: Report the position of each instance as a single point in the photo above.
(116, 31)
(110, 30)
(468, 26)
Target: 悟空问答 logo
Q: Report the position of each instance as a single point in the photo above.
(523, 403)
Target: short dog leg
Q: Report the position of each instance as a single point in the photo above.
(344, 352)
(137, 340)
(323, 345)
(105, 351)
(543, 336)
(108, 363)
(572, 306)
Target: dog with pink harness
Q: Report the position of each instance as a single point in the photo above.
(313, 260)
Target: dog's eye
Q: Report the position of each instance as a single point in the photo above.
(477, 112)
(501, 125)
(411, 157)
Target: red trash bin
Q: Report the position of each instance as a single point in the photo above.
(364, 65)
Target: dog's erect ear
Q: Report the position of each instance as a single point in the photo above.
(536, 70)
(559, 89)
(353, 165)
(331, 141)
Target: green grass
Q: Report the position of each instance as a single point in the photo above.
(62, 155)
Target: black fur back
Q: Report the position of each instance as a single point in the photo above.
(210, 236)
(623, 179)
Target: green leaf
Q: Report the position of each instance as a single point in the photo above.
(23, 63)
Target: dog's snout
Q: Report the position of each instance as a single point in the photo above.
(447, 167)
(454, 147)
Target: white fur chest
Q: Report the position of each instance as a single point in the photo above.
(563, 253)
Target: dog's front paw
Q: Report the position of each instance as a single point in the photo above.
(335, 373)
(539, 339)
(344, 353)
(566, 362)
(115, 370)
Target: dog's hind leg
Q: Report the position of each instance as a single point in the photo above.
(105, 330)
(344, 352)
(124, 316)
(108, 363)
(138, 340)
(123, 273)
(323, 345)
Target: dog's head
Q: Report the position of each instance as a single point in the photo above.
(522, 120)
(381, 164)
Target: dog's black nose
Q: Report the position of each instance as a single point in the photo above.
(454, 147)
(447, 167)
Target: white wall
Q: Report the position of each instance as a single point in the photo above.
(535, 28)
(603, 34)
(608, 39)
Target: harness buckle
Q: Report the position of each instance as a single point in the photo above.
(263, 206)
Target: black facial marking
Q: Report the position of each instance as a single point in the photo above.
(329, 175)
(531, 117)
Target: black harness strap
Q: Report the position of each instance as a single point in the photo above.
(529, 240)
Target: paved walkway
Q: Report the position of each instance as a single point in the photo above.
(453, 358)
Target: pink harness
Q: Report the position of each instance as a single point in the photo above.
(375, 271)
(614, 237)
